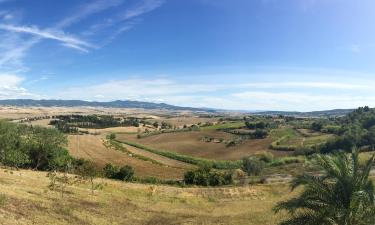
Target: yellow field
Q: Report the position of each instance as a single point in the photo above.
(25, 199)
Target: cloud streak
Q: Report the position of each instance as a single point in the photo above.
(66, 39)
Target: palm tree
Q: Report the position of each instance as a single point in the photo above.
(342, 195)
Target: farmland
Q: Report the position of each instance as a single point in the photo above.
(165, 149)
(190, 143)
(91, 147)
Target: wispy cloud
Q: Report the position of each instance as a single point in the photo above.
(66, 39)
(322, 85)
(10, 87)
(87, 10)
(142, 8)
(126, 19)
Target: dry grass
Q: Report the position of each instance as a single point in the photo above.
(28, 201)
(91, 147)
(190, 143)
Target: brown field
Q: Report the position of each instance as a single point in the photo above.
(26, 199)
(91, 147)
(114, 130)
(159, 158)
(180, 121)
(190, 143)
(42, 122)
(13, 112)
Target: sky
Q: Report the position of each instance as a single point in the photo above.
(295, 55)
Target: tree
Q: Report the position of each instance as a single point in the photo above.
(46, 144)
(253, 166)
(110, 171)
(88, 171)
(12, 148)
(343, 195)
(126, 173)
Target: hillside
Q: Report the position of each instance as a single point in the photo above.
(26, 199)
(112, 104)
(323, 113)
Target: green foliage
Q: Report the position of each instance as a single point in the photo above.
(357, 129)
(111, 136)
(46, 147)
(88, 171)
(342, 195)
(253, 166)
(36, 147)
(125, 173)
(110, 171)
(317, 126)
(256, 125)
(205, 176)
(266, 157)
(71, 123)
(287, 160)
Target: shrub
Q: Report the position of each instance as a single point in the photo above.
(253, 166)
(112, 136)
(287, 160)
(266, 157)
(206, 177)
(126, 173)
(260, 133)
(110, 171)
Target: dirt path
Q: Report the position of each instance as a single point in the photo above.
(159, 158)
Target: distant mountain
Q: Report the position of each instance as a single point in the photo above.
(324, 113)
(112, 104)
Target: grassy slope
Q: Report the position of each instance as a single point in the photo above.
(28, 201)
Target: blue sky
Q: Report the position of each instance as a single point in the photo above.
(233, 54)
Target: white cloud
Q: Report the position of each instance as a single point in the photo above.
(66, 39)
(125, 20)
(142, 8)
(10, 87)
(226, 96)
(88, 10)
(135, 89)
(323, 85)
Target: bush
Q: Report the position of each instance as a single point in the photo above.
(126, 173)
(259, 133)
(266, 157)
(253, 166)
(207, 177)
(287, 160)
(112, 136)
(110, 171)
